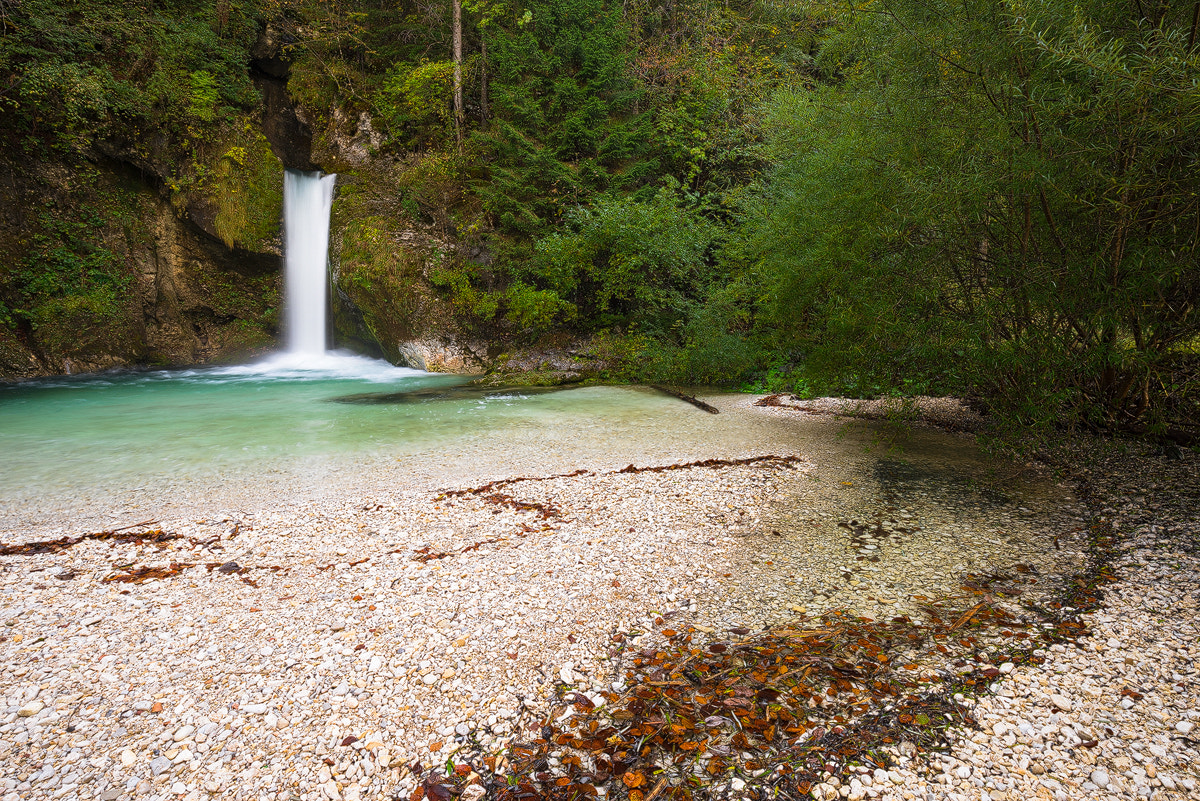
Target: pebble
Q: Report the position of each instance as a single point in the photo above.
(30, 709)
(1062, 702)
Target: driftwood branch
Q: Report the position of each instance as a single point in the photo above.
(699, 404)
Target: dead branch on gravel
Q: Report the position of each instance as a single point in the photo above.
(490, 487)
(780, 461)
(114, 535)
(504, 482)
(545, 511)
(777, 401)
(137, 575)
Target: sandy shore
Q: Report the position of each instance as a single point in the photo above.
(314, 647)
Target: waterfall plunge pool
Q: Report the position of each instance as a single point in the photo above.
(312, 426)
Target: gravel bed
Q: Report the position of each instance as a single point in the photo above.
(315, 648)
(356, 650)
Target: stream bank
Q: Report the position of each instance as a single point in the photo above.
(319, 647)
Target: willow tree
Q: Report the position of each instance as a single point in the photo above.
(1001, 198)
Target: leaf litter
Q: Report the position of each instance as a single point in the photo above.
(115, 535)
(770, 714)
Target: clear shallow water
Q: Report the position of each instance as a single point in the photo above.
(92, 438)
(133, 427)
(96, 451)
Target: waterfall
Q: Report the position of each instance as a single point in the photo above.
(307, 201)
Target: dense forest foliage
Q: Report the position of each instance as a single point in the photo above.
(997, 199)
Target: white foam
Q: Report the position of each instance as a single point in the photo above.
(332, 364)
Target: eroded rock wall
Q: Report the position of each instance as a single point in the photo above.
(101, 270)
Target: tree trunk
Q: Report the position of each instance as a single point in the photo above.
(458, 79)
(483, 99)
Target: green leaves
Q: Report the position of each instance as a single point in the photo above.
(995, 198)
(630, 261)
(202, 103)
(83, 68)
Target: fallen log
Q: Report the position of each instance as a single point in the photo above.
(699, 404)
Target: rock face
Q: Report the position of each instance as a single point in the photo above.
(131, 251)
(109, 258)
(290, 135)
(444, 356)
(349, 142)
(178, 295)
(197, 295)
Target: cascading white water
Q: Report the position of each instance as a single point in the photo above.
(307, 202)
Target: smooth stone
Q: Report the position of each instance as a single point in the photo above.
(1099, 777)
(1062, 702)
(30, 709)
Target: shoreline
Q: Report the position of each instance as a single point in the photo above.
(372, 663)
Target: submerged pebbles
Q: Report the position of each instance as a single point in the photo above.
(315, 650)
